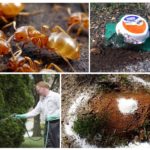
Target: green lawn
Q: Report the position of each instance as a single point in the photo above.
(29, 143)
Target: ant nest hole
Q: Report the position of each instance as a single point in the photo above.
(122, 109)
(115, 118)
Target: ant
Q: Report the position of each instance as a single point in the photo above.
(24, 64)
(58, 41)
(5, 47)
(11, 10)
(28, 34)
(78, 18)
(15, 63)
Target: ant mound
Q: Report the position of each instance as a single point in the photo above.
(125, 111)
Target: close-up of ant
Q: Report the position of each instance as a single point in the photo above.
(45, 44)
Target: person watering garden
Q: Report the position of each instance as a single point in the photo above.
(48, 108)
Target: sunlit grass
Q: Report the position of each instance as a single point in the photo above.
(29, 143)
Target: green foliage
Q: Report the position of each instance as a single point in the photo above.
(90, 125)
(15, 97)
(123, 79)
(11, 133)
(95, 129)
(108, 83)
(1, 100)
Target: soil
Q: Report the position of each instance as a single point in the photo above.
(51, 15)
(110, 59)
(118, 122)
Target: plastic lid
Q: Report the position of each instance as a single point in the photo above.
(134, 29)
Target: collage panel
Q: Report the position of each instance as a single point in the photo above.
(120, 38)
(44, 37)
(105, 111)
(30, 111)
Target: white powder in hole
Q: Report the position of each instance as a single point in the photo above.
(127, 106)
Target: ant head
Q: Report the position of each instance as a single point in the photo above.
(21, 34)
(4, 47)
(75, 19)
(2, 35)
(86, 23)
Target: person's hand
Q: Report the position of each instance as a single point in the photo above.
(20, 116)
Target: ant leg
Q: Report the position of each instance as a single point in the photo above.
(8, 41)
(67, 61)
(10, 38)
(37, 62)
(69, 28)
(16, 54)
(19, 52)
(45, 29)
(13, 23)
(4, 19)
(32, 64)
(58, 28)
(29, 13)
(23, 45)
(55, 66)
(69, 11)
(79, 30)
(29, 60)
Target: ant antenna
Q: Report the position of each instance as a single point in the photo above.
(69, 11)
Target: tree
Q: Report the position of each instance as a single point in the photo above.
(15, 97)
(53, 81)
(36, 128)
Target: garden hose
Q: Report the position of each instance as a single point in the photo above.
(10, 116)
(13, 116)
(31, 138)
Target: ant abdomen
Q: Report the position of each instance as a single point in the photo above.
(63, 45)
(11, 9)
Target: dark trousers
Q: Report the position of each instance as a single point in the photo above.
(52, 134)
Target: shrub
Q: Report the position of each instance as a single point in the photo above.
(15, 97)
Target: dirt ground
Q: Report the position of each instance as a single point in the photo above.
(52, 14)
(109, 59)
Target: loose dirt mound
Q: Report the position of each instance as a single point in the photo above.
(117, 122)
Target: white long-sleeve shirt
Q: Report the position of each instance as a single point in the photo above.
(47, 106)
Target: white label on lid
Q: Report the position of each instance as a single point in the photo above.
(131, 18)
